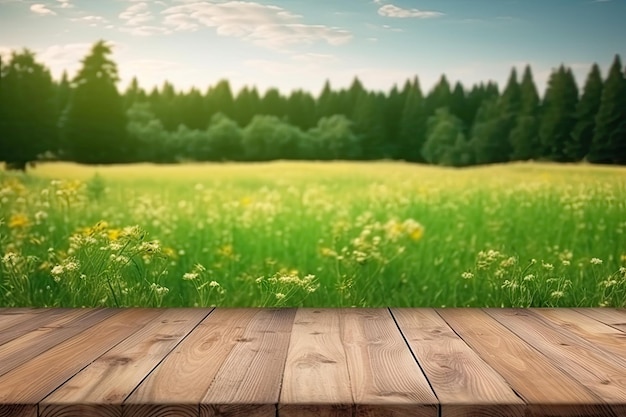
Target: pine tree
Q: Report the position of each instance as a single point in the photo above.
(301, 110)
(578, 144)
(558, 114)
(524, 137)
(609, 140)
(413, 124)
(369, 125)
(246, 105)
(393, 105)
(27, 110)
(94, 123)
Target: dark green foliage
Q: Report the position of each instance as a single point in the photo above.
(301, 110)
(609, 139)
(412, 134)
(578, 144)
(225, 137)
(27, 110)
(219, 99)
(524, 137)
(445, 143)
(247, 104)
(94, 123)
(267, 138)
(488, 137)
(558, 114)
(332, 138)
(273, 104)
(146, 131)
(392, 118)
(465, 126)
(369, 125)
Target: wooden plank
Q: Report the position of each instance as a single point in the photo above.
(613, 317)
(180, 382)
(33, 322)
(601, 372)
(100, 388)
(547, 389)
(32, 344)
(29, 383)
(248, 383)
(11, 316)
(384, 376)
(463, 382)
(316, 380)
(601, 335)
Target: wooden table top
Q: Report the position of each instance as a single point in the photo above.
(312, 362)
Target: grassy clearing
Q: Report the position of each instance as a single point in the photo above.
(313, 234)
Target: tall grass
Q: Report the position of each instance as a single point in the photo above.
(313, 234)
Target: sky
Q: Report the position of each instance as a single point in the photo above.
(299, 44)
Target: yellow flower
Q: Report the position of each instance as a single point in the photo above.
(114, 234)
(18, 221)
(245, 201)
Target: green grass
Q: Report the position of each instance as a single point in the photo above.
(313, 234)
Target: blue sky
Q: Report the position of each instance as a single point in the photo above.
(293, 44)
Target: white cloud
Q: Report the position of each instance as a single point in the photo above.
(269, 26)
(65, 4)
(136, 14)
(64, 57)
(41, 9)
(146, 30)
(91, 20)
(389, 10)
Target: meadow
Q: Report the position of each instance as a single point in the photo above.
(313, 234)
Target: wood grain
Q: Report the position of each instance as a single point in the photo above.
(11, 316)
(312, 362)
(599, 334)
(601, 372)
(613, 317)
(463, 382)
(185, 375)
(384, 376)
(248, 382)
(107, 381)
(31, 323)
(20, 350)
(548, 390)
(316, 380)
(27, 384)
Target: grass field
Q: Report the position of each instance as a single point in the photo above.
(313, 234)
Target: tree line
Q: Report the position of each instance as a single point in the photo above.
(87, 120)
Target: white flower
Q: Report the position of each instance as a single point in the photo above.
(57, 270)
(596, 261)
(280, 295)
(467, 275)
(190, 276)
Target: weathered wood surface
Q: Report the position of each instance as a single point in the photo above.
(312, 362)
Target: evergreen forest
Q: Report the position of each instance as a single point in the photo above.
(87, 120)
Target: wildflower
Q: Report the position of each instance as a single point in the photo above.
(529, 277)
(547, 266)
(467, 275)
(57, 270)
(557, 294)
(214, 284)
(595, 261)
(280, 296)
(414, 230)
(189, 276)
(10, 259)
(158, 289)
(18, 221)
